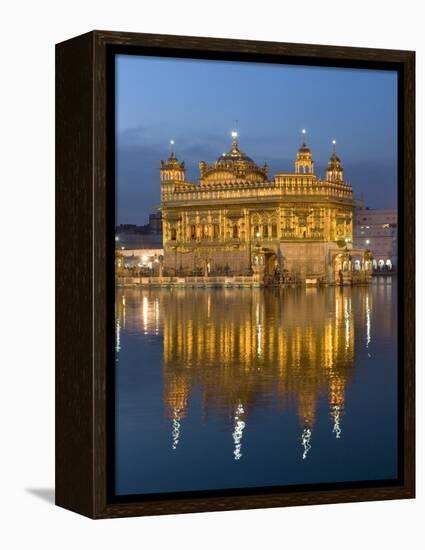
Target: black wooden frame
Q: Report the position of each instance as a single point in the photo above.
(84, 272)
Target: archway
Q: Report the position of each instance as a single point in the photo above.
(337, 268)
(270, 263)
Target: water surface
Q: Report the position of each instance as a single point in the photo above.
(222, 389)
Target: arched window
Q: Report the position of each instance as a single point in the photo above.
(216, 231)
(173, 234)
(256, 231)
(235, 231)
(274, 231)
(193, 232)
(265, 231)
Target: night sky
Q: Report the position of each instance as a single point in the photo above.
(198, 103)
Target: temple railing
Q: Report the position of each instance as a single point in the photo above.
(276, 192)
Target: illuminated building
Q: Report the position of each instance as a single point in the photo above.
(237, 221)
(376, 229)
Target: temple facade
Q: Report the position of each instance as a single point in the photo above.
(236, 220)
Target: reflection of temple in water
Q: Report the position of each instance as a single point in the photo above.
(244, 349)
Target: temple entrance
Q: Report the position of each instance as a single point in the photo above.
(270, 263)
(337, 268)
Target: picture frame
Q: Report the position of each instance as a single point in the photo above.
(85, 266)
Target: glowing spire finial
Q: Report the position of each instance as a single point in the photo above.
(172, 148)
(334, 145)
(234, 135)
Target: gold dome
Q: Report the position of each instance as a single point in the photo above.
(304, 153)
(235, 154)
(334, 162)
(172, 163)
(334, 170)
(233, 166)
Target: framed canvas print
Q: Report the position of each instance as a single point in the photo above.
(235, 274)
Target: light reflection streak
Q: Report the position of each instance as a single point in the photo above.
(367, 321)
(156, 315)
(176, 429)
(117, 336)
(305, 441)
(337, 418)
(145, 314)
(238, 431)
(347, 323)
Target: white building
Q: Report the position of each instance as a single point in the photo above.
(376, 229)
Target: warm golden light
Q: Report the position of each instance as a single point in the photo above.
(211, 226)
(277, 345)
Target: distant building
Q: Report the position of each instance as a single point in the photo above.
(132, 236)
(133, 240)
(376, 229)
(155, 223)
(153, 227)
(140, 245)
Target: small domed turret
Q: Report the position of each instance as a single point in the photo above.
(172, 169)
(304, 162)
(334, 170)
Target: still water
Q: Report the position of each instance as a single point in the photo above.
(219, 389)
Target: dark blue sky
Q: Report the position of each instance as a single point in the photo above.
(197, 103)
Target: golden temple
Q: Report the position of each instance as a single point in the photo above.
(237, 221)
